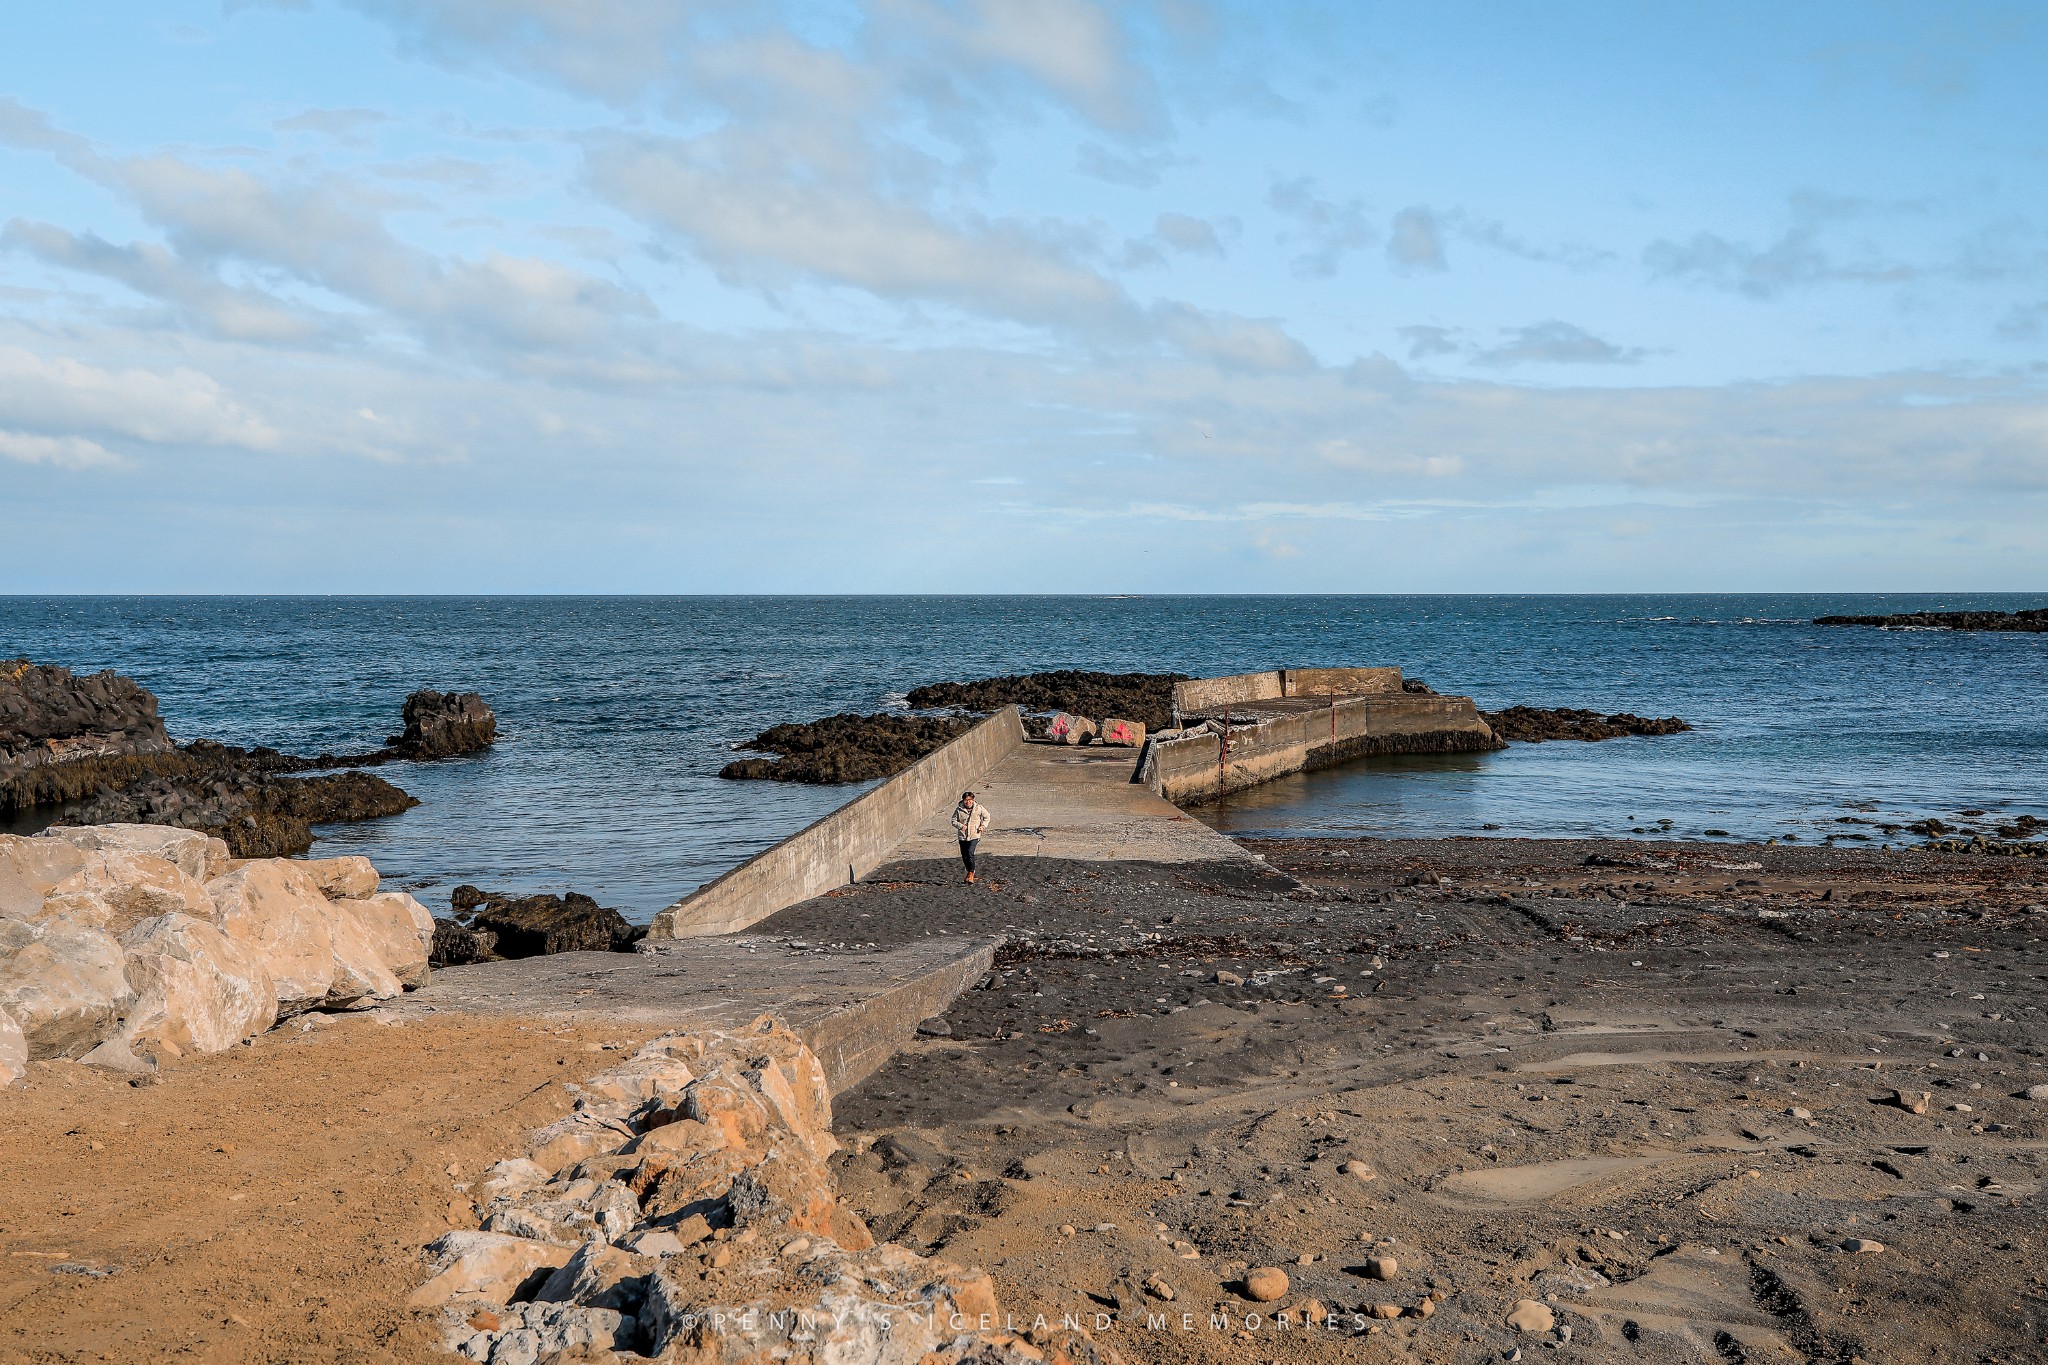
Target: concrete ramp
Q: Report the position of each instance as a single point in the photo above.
(1053, 801)
(852, 1009)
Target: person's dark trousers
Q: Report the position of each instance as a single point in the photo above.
(967, 854)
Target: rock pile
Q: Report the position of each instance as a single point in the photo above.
(256, 815)
(684, 1211)
(489, 926)
(125, 945)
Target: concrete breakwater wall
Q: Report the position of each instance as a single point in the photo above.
(847, 844)
(1293, 720)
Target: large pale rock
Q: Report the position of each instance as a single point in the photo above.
(117, 890)
(339, 878)
(399, 929)
(277, 912)
(529, 1333)
(13, 1050)
(359, 970)
(29, 868)
(66, 987)
(196, 989)
(199, 856)
(600, 1276)
(487, 1266)
(1068, 729)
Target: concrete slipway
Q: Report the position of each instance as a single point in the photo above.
(696, 970)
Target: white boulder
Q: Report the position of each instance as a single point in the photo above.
(488, 1266)
(196, 989)
(29, 868)
(199, 856)
(66, 987)
(398, 928)
(274, 910)
(13, 1050)
(117, 890)
(339, 878)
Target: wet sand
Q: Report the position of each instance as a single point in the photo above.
(1646, 1085)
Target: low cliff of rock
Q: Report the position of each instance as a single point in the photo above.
(127, 944)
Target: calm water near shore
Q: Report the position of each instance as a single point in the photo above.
(618, 712)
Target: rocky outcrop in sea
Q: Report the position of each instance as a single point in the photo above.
(1143, 697)
(2033, 621)
(99, 740)
(845, 748)
(1535, 724)
(130, 945)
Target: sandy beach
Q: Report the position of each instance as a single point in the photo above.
(1649, 1087)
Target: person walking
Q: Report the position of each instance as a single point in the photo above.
(969, 822)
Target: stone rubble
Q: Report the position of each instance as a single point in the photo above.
(125, 945)
(684, 1211)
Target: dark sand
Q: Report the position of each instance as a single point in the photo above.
(1650, 1094)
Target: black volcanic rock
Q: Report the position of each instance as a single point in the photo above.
(259, 816)
(1535, 724)
(2033, 621)
(533, 926)
(845, 748)
(62, 736)
(445, 725)
(1146, 697)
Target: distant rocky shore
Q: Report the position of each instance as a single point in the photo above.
(99, 740)
(2034, 621)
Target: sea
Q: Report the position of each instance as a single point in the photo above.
(616, 713)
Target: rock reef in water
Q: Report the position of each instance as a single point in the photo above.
(257, 815)
(126, 945)
(64, 738)
(2034, 621)
(845, 748)
(489, 925)
(1535, 724)
(445, 725)
(1145, 697)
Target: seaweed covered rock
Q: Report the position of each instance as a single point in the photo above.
(62, 735)
(1535, 724)
(445, 725)
(1143, 697)
(845, 748)
(258, 816)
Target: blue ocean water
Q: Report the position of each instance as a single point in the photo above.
(618, 712)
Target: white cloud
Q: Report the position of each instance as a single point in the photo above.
(1331, 230)
(1556, 343)
(175, 407)
(66, 452)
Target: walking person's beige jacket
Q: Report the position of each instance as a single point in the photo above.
(968, 822)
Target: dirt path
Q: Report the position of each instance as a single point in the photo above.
(267, 1204)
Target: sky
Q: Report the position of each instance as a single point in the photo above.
(1022, 296)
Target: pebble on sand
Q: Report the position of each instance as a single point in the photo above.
(1862, 1245)
(1530, 1316)
(1912, 1101)
(1381, 1267)
(2037, 1092)
(1358, 1170)
(1265, 1284)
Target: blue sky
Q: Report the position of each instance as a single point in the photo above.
(1022, 295)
